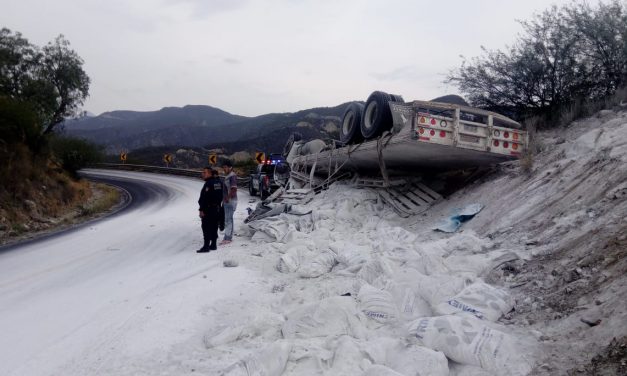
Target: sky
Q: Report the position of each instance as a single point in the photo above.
(252, 57)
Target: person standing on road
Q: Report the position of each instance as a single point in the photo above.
(230, 201)
(209, 209)
(216, 175)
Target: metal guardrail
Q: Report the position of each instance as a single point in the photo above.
(241, 182)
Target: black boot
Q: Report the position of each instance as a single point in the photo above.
(205, 248)
(212, 245)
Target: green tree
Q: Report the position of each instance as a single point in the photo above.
(19, 123)
(602, 35)
(51, 79)
(565, 54)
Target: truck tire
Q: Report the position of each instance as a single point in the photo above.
(377, 116)
(397, 98)
(251, 189)
(351, 122)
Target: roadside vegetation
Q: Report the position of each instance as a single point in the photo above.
(105, 197)
(569, 62)
(39, 88)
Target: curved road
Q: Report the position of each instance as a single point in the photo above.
(138, 193)
(71, 299)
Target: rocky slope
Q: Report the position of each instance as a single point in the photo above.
(565, 221)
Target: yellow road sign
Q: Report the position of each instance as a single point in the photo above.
(123, 157)
(260, 157)
(167, 158)
(213, 159)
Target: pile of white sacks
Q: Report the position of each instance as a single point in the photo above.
(362, 297)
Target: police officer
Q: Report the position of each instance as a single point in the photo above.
(209, 208)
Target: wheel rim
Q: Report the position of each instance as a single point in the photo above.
(347, 121)
(371, 115)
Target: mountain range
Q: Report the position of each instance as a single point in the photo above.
(201, 126)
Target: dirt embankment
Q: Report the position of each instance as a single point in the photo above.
(565, 218)
(53, 204)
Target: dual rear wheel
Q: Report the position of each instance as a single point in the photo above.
(364, 122)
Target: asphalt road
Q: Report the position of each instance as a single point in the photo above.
(137, 193)
(66, 295)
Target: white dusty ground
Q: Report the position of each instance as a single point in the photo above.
(128, 296)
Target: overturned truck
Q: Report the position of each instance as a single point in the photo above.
(387, 143)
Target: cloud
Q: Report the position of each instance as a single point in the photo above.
(230, 60)
(401, 73)
(201, 9)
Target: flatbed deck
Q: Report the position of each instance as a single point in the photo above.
(427, 135)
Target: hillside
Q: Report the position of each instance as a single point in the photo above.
(564, 223)
(129, 130)
(202, 126)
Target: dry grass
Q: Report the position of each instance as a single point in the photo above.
(582, 108)
(105, 198)
(36, 195)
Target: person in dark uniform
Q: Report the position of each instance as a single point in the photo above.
(209, 205)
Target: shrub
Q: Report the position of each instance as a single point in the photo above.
(565, 65)
(74, 153)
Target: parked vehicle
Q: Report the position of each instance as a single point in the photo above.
(262, 179)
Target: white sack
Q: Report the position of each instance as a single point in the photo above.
(467, 340)
(321, 264)
(262, 237)
(377, 304)
(457, 369)
(417, 360)
(291, 260)
(347, 358)
(309, 357)
(374, 269)
(380, 370)
(222, 335)
(435, 288)
(409, 303)
(270, 361)
(480, 300)
(349, 255)
(332, 316)
(304, 223)
(275, 227)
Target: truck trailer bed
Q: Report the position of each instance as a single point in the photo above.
(426, 135)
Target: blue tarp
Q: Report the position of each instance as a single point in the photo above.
(459, 216)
